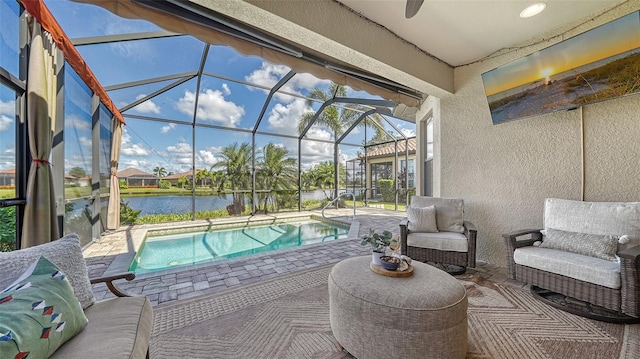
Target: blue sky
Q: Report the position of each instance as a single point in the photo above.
(232, 102)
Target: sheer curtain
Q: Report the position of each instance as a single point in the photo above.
(113, 213)
(40, 223)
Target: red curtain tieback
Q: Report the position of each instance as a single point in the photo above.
(39, 161)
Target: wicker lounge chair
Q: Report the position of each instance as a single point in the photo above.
(451, 243)
(595, 281)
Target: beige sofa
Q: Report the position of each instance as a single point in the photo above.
(589, 251)
(119, 327)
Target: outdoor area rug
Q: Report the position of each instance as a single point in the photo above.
(288, 317)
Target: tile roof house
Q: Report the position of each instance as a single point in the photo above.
(135, 177)
(381, 164)
(8, 177)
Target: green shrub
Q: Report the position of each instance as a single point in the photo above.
(177, 217)
(387, 189)
(163, 184)
(7, 229)
(122, 184)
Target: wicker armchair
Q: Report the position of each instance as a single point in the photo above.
(454, 243)
(600, 218)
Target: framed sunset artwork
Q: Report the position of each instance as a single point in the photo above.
(600, 64)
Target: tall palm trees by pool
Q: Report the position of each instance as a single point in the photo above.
(276, 172)
(236, 165)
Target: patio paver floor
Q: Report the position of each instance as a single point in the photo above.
(187, 282)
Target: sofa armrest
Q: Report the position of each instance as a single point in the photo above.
(512, 243)
(108, 280)
(471, 233)
(630, 280)
(404, 231)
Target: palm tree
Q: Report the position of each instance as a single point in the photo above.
(321, 176)
(202, 175)
(236, 165)
(335, 118)
(217, 179)
(183, 180)
(276, 172)
(159, 171)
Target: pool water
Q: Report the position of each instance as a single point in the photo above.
(165, 252)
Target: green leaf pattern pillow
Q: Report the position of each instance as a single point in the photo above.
(38, 313)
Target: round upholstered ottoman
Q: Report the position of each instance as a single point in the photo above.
(374, 316)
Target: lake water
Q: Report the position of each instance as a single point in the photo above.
(182, 204)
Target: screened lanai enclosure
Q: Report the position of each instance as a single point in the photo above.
(177, 113)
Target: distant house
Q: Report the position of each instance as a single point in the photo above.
(8, 178)
(174, 177)
(137, 178)
(84, 181)
(381, 164)
(70, 180)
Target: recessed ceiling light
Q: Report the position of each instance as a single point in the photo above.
(533, 10)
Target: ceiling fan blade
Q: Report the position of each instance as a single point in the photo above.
(412, 8)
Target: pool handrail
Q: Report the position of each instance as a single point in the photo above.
(353, 196)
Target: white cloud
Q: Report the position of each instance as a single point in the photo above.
(147, 106)
(5, 123)
(180, 153)
(8, 108)
(85, 142)
(304, 81)
(408, 132)
(128, 148)
(212, 107)
(141, 164)
(225, 90)
(132, 50)
(7, 159)
(267, 75)
(288, 116)
(168, 128)
(207, 158)
(78, 123)
(314, 152)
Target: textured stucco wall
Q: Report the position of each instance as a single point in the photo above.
(505, 172)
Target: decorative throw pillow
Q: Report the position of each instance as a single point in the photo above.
(422, 219)
(65, 253)
(38, 313)
(599, 246)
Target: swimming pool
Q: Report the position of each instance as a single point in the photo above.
(184, 249)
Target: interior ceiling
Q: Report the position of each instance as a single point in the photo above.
(459, 32)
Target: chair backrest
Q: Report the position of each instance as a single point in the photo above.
(449, 211)
(65, 253)
(600, 218)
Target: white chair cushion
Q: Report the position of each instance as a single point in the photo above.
(444, 241)
(603, 218)
(585, 268)
(449, 211)
(422, 219)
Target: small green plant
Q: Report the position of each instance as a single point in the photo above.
(128, 215)
(122, 184)
(377, 241)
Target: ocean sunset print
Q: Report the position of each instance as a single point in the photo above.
(600, 64)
